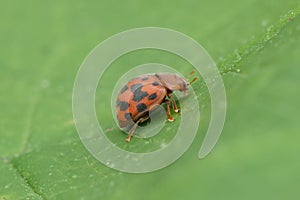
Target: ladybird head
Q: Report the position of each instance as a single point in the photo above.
(173, 82)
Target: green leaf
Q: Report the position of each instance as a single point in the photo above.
(256, 45)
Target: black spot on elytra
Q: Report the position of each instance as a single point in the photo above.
(138, 94)
(141, 107)
(123, 105)
(152, 96)
(144, 78)
(124, 89)
(135, 86)
(155, 83)
(128, 116)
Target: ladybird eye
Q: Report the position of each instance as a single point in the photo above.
(183, 86)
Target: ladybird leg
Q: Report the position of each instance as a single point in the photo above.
(175, 108)
(131, 132)
(170, 119)
(134, 127)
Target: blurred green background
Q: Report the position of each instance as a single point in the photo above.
(43, 44)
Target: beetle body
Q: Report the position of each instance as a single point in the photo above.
(143, 94)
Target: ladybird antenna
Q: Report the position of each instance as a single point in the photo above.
(190, 75)
(193, 80)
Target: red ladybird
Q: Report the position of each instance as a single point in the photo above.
(145, 93)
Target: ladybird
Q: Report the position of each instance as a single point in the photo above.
(145, 93)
